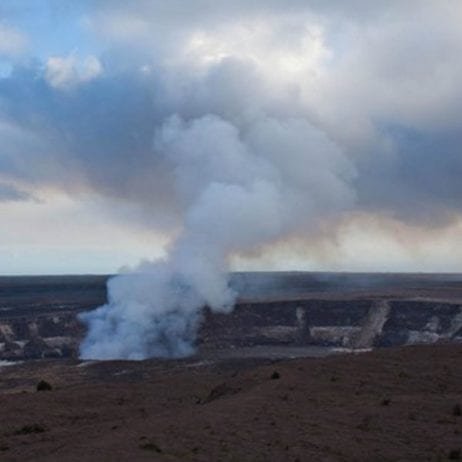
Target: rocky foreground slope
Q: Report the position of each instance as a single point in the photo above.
(396, 404)
(38, 316)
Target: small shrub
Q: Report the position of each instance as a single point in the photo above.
(365, 423)
(28, 429)
(457, 410)
(275, 375)
(220, 391)
(44, 386)
(150, 447)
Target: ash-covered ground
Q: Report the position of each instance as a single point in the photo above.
(395, 404)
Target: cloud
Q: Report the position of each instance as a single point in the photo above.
(9, 193)
(379, 83)
(12, 41)
(67, 72)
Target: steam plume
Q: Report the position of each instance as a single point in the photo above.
(239, 190)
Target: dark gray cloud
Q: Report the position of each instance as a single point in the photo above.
(95, 137)
(418, 181)
(9, 193)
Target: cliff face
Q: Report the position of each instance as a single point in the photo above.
(38, 315)
(45, 336)
(352, 324)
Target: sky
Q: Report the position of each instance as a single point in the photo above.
(340, 121)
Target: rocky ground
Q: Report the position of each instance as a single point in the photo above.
(240, 398)
(397, 404)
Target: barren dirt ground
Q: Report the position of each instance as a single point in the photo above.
(400, 404)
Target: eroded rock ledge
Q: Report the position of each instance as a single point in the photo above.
(343, 323)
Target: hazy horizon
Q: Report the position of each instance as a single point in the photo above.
(269, 271)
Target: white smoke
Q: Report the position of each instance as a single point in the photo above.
(239, 189)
